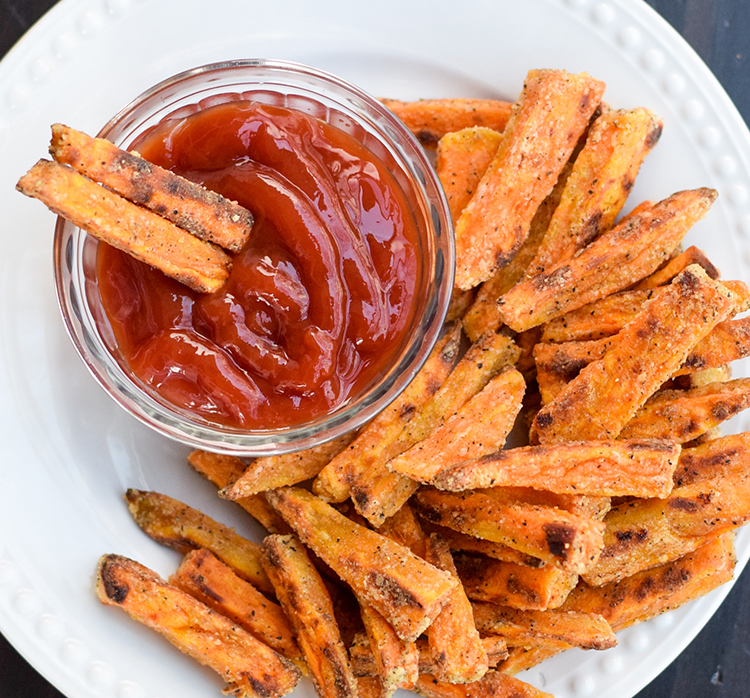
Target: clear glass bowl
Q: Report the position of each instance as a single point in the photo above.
(331, 99)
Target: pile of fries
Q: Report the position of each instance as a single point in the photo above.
(423, 552)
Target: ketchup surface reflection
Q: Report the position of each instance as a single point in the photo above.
(319, 299)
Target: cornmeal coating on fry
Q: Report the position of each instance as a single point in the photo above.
(431, 119)
(620, 257)
(250, 667)
(407, 591)
(636, 468)
(599, 402)
(201, 265)
(303, 595)
(552, 112)
(203, 213)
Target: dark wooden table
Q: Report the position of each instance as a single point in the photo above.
(717, 663)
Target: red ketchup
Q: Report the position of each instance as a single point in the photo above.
(318, 301)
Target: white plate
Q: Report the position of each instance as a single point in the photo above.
(68, 453)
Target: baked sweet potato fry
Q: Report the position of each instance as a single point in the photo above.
(568, 628)
(598, 186)
(607, 316)
(396, 660)
(616, 260)
(493, 684)
(663, 588)
(202, 575)
(635, 468)
(517, 586)
(378, 493)
(478, 427)
(431, 119)
(363, 661)
(461, 160)
(201, 265)
(222, 471)
(641, 534)
(183, 528)
(465, 543)
(302, 594)
(334, 481)
(483, 315)
(407, 591)
(201, 212)
(250, 668)
(270, 472)
(680, 262)
(684, 415)
(566, 540)
(552, 112)
(453, 637)
(597, 404)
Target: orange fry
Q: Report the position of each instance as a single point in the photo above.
(201, 212)
(619, 258)
(597, 404)
(201, 265)
(553, 111)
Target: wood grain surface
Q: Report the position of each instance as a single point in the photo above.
(717, 663)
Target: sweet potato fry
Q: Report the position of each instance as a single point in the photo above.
(517, 586)
(396, 660)
(663, 588)
(483, 315)
(379, 493)
(553, 110)
(607, 316)
(201, 265)
(566, 540)
(405, 589)
(478, 427)
(597, 403)
(570, 628)
(250, 667)
(183, 528)
(453, 638)
(684, 415)
(728, 341)
(222, 471)
(692, 255)
(430, 119)
(492, 685)
(602, 468)
(642, 534)
(619, 258)
(270, 472)
(201, 212)
(461, 160)
(363, 661)
(599, 184)
(202, 575)
(334, 481)
(405, 528)
(302, 594)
